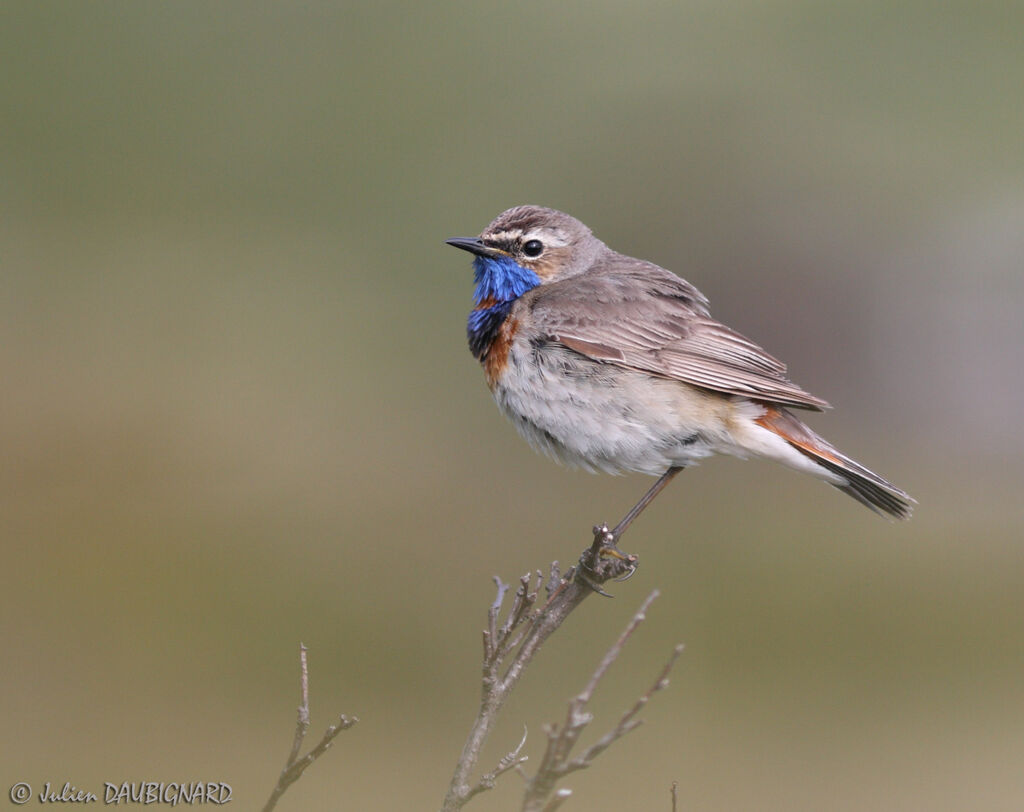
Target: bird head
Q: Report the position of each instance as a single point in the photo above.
(527, 246)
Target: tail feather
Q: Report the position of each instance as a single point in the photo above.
(865, 486)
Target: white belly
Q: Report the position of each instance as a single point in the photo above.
(603, 417)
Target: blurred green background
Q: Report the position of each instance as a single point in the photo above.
(239, 411)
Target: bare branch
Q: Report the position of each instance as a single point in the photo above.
(554, 579)
(509, 761)
(556, 762)
(675, 794)
(628, 722)
(491, 634)
(295, 766)
(616, 649)
(302, 726)
(514, 643)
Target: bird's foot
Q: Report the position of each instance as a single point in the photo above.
(603, 561)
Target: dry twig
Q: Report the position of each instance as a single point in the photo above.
(557, 761)
(295, 766)
(518, 639)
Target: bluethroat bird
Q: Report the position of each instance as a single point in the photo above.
(612, 363)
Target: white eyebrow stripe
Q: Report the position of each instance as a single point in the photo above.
(552, 239)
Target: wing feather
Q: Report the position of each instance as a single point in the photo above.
(639, 316)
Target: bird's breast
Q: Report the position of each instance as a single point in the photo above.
(597, 415)
(491, 331)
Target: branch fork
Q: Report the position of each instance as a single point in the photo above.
(510, 646)
(295, 766)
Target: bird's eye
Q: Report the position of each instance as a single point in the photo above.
(533, 248)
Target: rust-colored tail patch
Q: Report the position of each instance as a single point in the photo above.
(798, 435)
(865, 486)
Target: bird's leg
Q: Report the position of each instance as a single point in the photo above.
(645, 500)
(605, 540)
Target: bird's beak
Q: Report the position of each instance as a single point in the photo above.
(475, 246)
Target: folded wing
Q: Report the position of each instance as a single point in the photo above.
(642, 317)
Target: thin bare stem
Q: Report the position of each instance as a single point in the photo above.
(510, 761)
(511, 646)
(556, 762)
(613, 653)
(295, 766)
(628, 721)
(302, 726)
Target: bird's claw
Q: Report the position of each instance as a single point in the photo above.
(634, 564)
(580, 574)
(604, 560)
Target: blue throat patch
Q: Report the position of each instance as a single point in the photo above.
(501, 279)
(499, 282)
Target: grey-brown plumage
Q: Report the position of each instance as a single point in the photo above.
(610, 362)
(639, 316)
